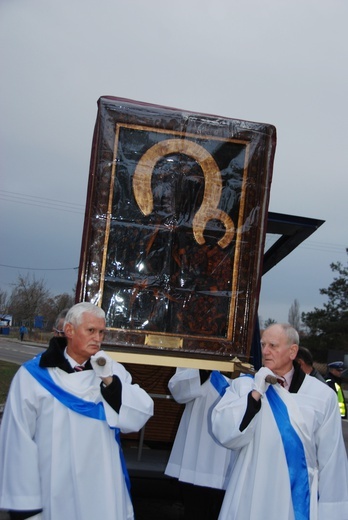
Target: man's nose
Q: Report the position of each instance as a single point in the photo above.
(98, 336)
(264, 349)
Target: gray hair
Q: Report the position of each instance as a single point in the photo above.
(75, 313)
(289, 331)
(61, 316)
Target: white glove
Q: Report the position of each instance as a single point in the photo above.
(36, 517)
(260, 383)
(102, 370)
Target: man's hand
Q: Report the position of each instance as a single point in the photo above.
(260, 384)
(102, 365)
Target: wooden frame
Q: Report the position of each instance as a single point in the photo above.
(174, 229)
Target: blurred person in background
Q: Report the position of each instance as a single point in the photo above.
(305, 360)
(58, 327)
(22, 331)
(335, 371)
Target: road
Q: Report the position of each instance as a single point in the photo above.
(16, 351)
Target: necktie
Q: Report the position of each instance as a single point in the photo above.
(281, 381)
(79, 368)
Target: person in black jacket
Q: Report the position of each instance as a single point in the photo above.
(305, 360)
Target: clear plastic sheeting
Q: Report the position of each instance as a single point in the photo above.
(175, 227)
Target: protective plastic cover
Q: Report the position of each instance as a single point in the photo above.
(174, 228)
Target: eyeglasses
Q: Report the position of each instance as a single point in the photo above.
(59, 332)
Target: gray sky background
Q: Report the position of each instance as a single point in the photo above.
(282, 62)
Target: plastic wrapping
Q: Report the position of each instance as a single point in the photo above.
(175, 226)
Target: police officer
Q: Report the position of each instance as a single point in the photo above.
(334, 380)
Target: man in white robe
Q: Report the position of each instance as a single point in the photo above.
(291, 459)
(197, 459)
(60, 456)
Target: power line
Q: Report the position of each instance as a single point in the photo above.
(311, 244)
(40, 198)
(72, 207)
(41, 202)
(325, 248)
(66, 209)
(39, 268)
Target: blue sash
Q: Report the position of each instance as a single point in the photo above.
(295, 456)
(219, 382)
(74, 403)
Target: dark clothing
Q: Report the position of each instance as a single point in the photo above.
(23, 330)
(201, 503)
(317, 374)
(23, 515)
(331, 380)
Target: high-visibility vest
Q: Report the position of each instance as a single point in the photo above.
(341, 400)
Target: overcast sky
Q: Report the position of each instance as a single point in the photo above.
(271, 61)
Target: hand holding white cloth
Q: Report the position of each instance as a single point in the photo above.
(102, 364)
(260, 383)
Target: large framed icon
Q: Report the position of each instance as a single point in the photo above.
(174, 228)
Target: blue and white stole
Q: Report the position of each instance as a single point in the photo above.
(295, 456)
(219, 382)
(74, 403)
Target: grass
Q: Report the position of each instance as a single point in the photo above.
(7, 371)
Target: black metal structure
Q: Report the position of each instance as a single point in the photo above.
(292, 230)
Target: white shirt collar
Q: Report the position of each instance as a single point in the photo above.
(72, 361)
(288, 378)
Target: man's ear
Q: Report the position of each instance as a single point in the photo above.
(293, 351)
(69, 330)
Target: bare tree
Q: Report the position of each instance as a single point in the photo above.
(3, 302)
(294, 316)
(3, 306)
(54, 306)
(27, 299)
